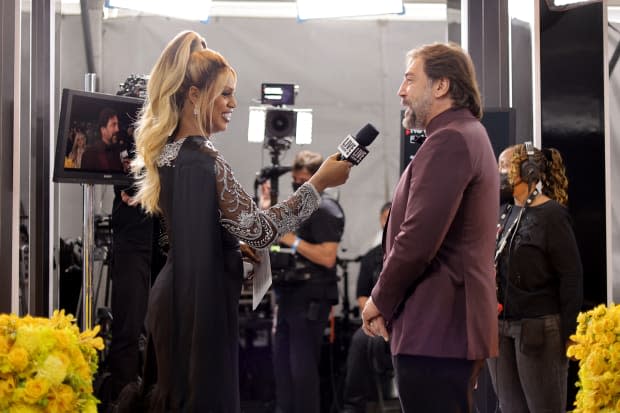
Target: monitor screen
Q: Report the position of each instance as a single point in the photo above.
(95, 137)
(277, 94)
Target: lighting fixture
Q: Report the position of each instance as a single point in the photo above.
(321, 9)
(180, 9)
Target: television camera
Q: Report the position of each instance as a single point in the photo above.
(276, 125)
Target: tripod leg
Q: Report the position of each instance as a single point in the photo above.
(108, 283)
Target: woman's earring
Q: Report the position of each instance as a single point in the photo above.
(196, 111)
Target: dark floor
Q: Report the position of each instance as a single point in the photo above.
(256, 376)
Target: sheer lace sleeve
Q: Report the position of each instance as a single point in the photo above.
(241, 217)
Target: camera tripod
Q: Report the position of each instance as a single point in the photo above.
(343, 263)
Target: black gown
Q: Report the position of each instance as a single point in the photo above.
(193, 305)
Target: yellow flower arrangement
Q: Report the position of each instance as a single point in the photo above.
(597, 347)
(47, 365)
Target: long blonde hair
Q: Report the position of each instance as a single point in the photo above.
(185, 62)
(77, 150)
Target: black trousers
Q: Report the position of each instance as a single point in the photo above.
(131, 281)
(297, 349)
(368, 357)
(435, 385)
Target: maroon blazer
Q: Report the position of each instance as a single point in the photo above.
(437, 287)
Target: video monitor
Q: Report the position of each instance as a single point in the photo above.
(277, 94)
(95, 137)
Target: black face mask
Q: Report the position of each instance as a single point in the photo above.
(505, 189)
(296, 186)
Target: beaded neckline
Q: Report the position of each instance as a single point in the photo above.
(172, 148)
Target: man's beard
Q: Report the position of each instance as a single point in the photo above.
(416, 114)
(411, 121)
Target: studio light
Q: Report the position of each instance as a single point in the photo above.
(303, 134)
(277, 123)
(256, 124)
(321, 9)
(568, 3)
(181, 9)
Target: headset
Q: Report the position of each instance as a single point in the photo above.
(529, 170)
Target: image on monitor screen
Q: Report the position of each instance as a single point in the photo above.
(95, 137)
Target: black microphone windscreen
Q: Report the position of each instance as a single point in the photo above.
(366, 135)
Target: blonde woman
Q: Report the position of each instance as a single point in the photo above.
(74, 159)
(192, 312)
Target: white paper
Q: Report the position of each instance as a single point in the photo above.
(262, 277)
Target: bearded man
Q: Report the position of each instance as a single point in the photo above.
(435, 299)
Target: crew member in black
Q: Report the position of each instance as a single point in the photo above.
(539, 276)
(137, 256)
(304, 301)
(364, 350)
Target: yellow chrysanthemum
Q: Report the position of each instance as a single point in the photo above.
(64, 339)
(599, 311)
(5, 344)
(36, 339)
(90, 407)
(24, 408)
(607, 338)
(89, 338)
(597, 328)
(62, 399)
(597, 347)
(47, 364)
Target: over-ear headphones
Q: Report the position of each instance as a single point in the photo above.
(530, 172)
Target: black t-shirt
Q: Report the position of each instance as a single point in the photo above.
(371, 265)
(326, 224)
(132, 228)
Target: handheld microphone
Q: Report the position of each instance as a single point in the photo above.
(353, 147)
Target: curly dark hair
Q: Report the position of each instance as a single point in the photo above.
(551, 167)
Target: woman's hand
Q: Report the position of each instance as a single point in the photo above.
(250, 256)
(128, 199)
(333, 172)
(248, 253)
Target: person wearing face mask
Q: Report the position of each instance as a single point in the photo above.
(304, 301)
(505, 188)
(540, 286)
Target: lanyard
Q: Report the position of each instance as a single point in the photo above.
(502, 233)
